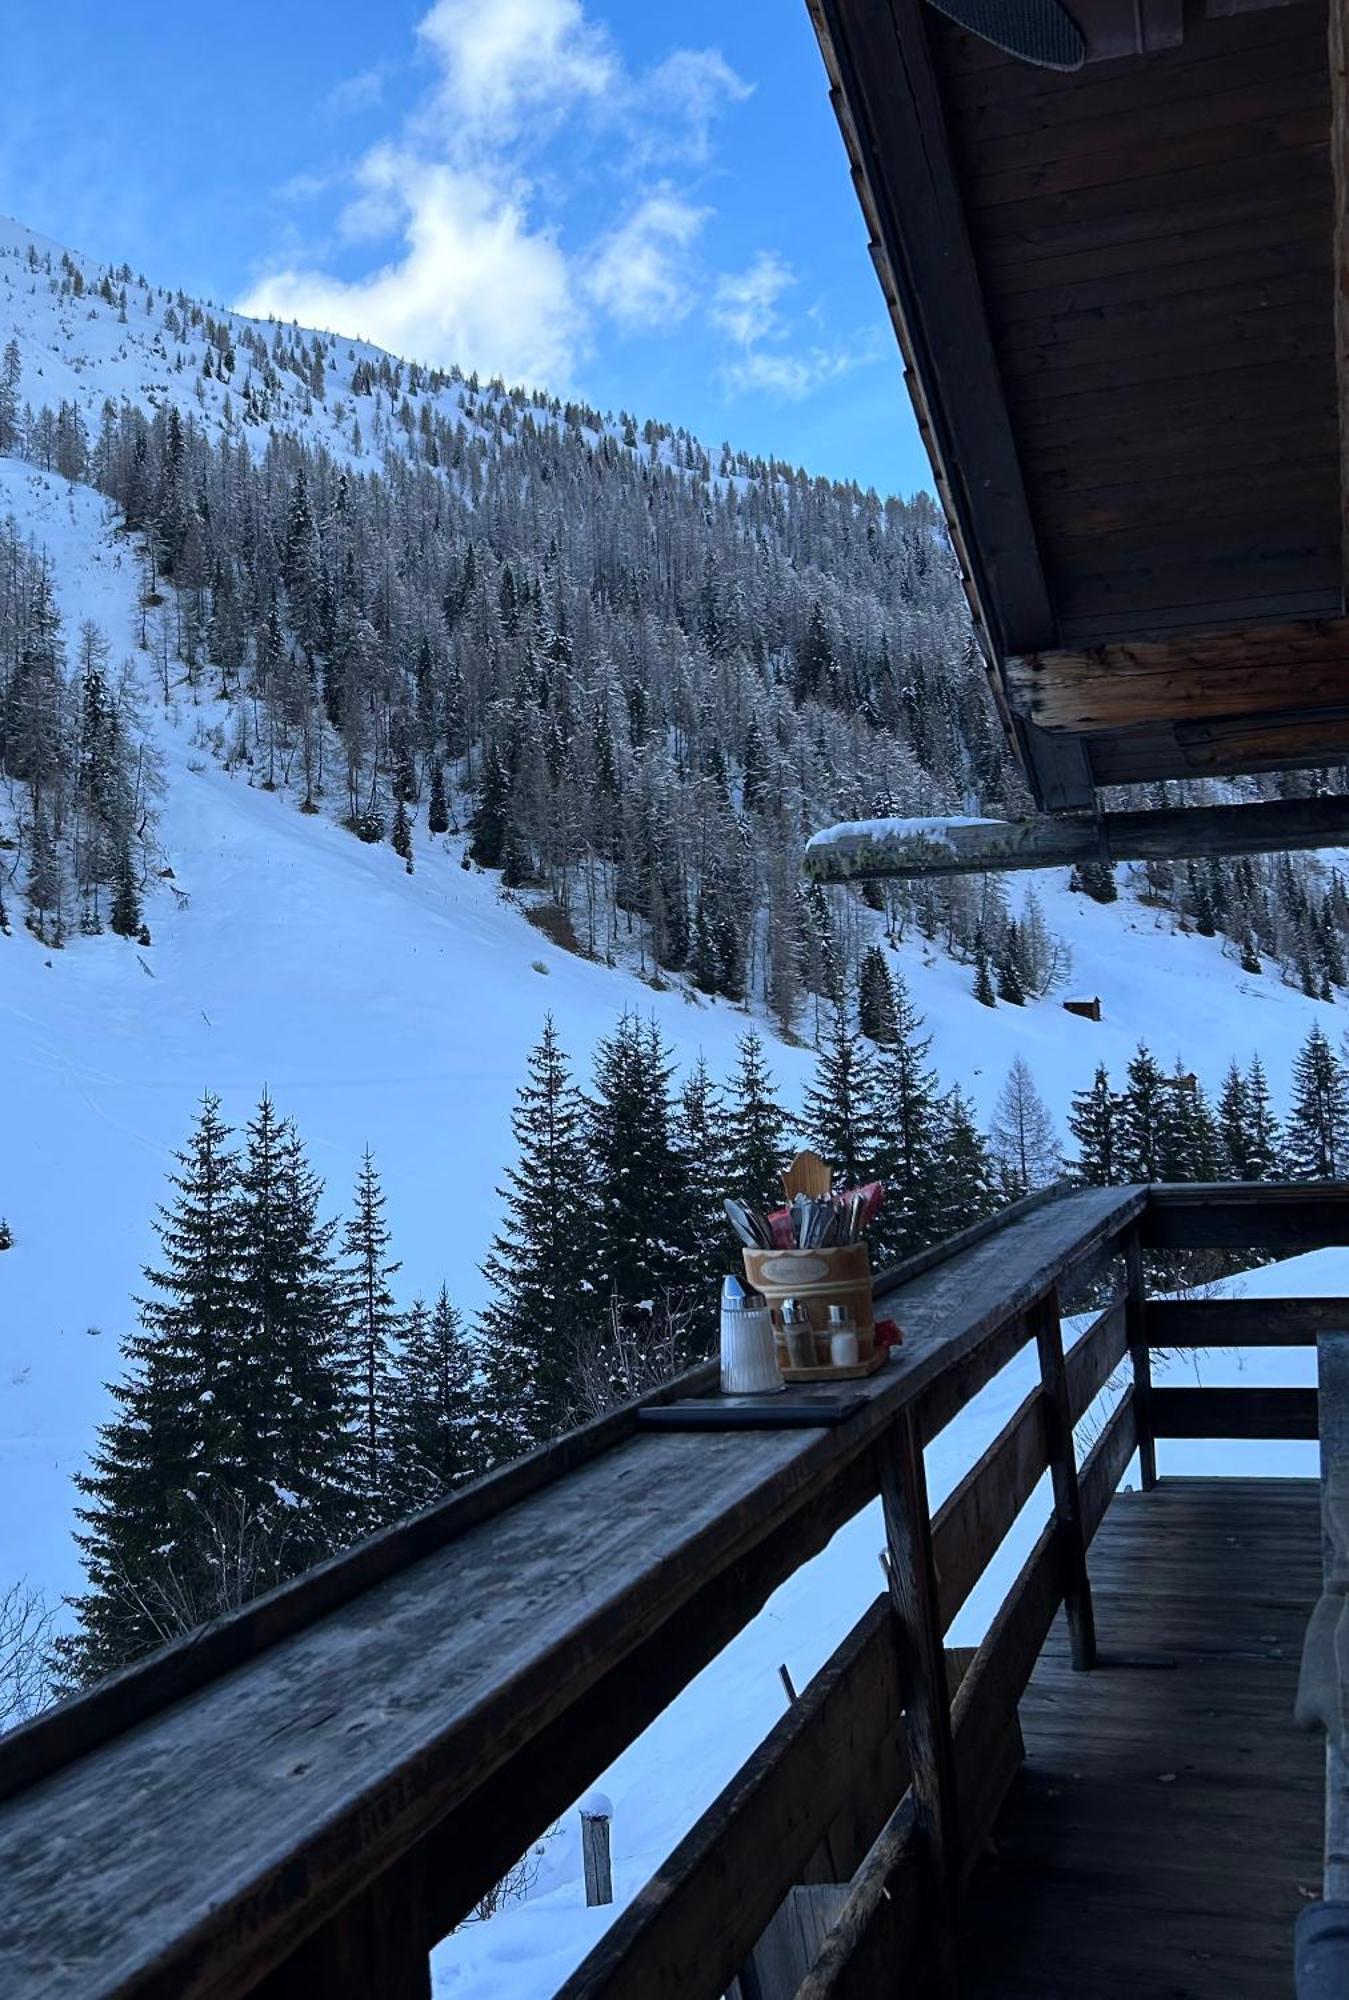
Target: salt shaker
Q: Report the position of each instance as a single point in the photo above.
(749, 1363)
(844, 1347)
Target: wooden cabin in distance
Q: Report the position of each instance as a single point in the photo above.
(1119, 292)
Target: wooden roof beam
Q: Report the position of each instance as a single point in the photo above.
(1263, 673)
(1339, 251)
(889, 108)
(909, 849)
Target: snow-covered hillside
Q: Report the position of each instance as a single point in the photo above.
(396, 1010)
(393, 1010)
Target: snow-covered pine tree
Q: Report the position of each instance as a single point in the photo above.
(540, 1264)
(437, 1425)
(700, 1132)
(1264, 1136)
(908, 1119)
(1024, 1143)
(400, 838)
(437, 812)
(643, 1247)
(1011, 983)
(297, 1404)
(965, 1179)
(1094, 1121)
(1144, 1123)
(1095, 879)
(373, 1327)
(1316, 1136)
(1191, 1151)
(876, 997)
(842, 1108)
(755, 1128)
(175, 1438)
(1250, 1144)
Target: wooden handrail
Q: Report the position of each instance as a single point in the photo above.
(389, 1732)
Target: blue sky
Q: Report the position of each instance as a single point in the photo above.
(648, 206)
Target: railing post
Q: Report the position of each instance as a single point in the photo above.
(375, 1944)
(1063, 1471)
(1135, 1320)
(927, 1708)
(1332, 1369)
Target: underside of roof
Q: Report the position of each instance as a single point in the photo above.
(1118, 292)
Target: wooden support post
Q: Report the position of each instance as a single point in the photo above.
(1063, 1472)
(927, 1709)
(373, 1945)
(1332, 1373)
(1136, 1318)
(596, 1819)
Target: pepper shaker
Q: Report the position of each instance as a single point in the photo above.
(798, 1335)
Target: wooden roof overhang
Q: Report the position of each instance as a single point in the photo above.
(1120, 294)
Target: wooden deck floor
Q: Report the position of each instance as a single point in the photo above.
(1166, 1828)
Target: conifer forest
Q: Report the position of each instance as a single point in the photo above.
(622, 676)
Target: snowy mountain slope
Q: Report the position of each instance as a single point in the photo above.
(390, 1009)
(397, 1010)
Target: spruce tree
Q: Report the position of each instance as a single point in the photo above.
(438, 812)
(540, 1263)
(984, 991)
(1249, 1141)
(1094, 1121)
(964, 1176)
(755, 1126)
(1264, 1138)
(175, 1437)
(1234, 1117)
(842, 1111)
(295, 1386)
(907, 1113)
(401, 836)
(1191, 1148)
(876, 997)
(700, 1132)
(437, 1429)
(1011, 986)
(643, 1249)
(490, 821)
(373, 1324)
(1144, 1119)
(1316, 1145)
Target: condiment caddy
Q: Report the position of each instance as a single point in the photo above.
(810, 1266)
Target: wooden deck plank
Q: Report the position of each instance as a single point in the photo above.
(1166, 1828)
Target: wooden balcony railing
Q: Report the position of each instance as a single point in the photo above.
(308, 1795)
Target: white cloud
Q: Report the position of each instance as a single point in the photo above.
(745, 308)
(680, 100)
(639, 274)
(500, 59)
(355, 93)
(745, 303)
(472, 269)
(473, 284)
